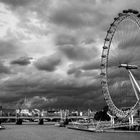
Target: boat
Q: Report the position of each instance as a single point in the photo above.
(2, 127)
(60, 124)
(83, 125)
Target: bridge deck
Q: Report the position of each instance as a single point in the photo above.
(42, 117)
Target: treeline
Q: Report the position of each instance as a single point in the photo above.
(102, 115)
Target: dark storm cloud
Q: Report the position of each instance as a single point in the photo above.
(132, 42)
(48, 86)
(74, 17)
(89, 40)
(107, 1)
(72, 70)
(79, 15)
(79, 72)
(19, 87)
(74, 98)
(16, 3)
(73, 49)
(122, 92)
(91, 65)
(9, 99)
(65, 39)
(48, 63)
(77, 53)
(4, 69)
(123, 56)
(87, 15)
(70, 103)
(53, 89)
(87, 73)
(38, 101)
(64, 95)
(82, 20)
(87, 69)
(35, 102)
(67, 18)
(22, 61)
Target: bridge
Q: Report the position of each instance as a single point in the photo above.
(41, 119)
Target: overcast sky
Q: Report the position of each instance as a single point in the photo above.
(50, 51)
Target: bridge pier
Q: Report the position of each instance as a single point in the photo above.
(66, 121)
(19, 121)
(41, 121)
(0, 114)
(18, 115)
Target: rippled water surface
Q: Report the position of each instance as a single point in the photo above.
(50, 132)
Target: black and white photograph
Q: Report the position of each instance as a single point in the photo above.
(69, 69)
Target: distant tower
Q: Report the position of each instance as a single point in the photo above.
(0, 110)
(24, 104)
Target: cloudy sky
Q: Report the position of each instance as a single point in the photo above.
(50, 51)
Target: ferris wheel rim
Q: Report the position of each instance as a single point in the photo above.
(126, 14)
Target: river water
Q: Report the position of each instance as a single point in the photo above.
(51, 132)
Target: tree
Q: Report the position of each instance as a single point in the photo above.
(102, 115)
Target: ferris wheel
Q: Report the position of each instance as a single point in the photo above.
(120, 61)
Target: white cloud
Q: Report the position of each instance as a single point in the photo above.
(7, 21)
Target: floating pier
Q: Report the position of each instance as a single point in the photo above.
(106, 127)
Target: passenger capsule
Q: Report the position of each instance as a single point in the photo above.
(103, 56)
(111, 24)
(135, 11)
(109, 31)
(115, 18)
(125, 11)
(138, 15)
(103, 65)
(107, 39)
(103, 82)
(105, 47)
(120, 14)
(130, 10)
(102, 74)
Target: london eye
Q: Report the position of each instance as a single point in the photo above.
(120, 63)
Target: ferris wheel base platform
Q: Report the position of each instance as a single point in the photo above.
(134, 129)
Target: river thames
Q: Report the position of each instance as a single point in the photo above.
(51, 132)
